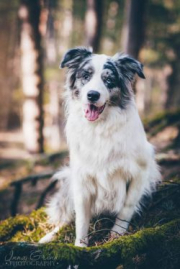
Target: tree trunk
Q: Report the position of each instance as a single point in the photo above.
(49, 33)
(133, 37)
(9, 65)
(93, 23)
(32, 75)
(133, 29)
(173, 93)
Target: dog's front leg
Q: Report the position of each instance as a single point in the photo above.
(82, 211)
(135, 192)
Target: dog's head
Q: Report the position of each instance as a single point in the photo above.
(100, 81)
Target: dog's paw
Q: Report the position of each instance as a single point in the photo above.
(113, 235)
(47, 238)
(50, 236)
(117, 232)
(81, 243)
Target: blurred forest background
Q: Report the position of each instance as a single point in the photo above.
(33, 38)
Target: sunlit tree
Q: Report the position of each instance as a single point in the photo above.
(93, 23)
(32, 75)
(133, 29)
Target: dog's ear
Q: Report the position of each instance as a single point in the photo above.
(73, 57)
(128, 66)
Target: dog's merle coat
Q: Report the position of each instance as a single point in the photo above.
(107, 143)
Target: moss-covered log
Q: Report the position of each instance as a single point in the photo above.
(157, 247)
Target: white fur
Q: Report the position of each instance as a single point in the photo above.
(105, 156)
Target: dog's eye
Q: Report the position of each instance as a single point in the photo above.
(108, 80)
(86, 76)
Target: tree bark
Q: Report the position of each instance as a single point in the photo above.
(49, 33)
(93, 23)
(133, 29)
(173, 93)
(9, 65)
(32, 75)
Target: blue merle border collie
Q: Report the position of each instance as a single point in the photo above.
(112, 165)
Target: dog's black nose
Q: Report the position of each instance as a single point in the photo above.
(93, 96)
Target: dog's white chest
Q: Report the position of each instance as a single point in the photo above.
(101, 149)
(93, 146)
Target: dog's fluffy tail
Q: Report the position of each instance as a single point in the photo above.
(60, 209)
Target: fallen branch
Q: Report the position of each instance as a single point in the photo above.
(16, 198)
(18, 189)
(33, 178)
(45, 192)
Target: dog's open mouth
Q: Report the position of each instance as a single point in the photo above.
(92, 112)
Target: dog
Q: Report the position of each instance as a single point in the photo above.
(112, 165)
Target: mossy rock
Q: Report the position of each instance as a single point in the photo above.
(157, 247)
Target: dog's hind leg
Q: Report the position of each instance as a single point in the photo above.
(60, 209)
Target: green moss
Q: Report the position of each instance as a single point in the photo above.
(9, 227)
(66, 234)
(24, 228)
(123, 250)
(39, 215)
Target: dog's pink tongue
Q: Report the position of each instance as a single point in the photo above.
(91, 113)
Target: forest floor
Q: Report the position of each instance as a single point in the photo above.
(15, 164)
